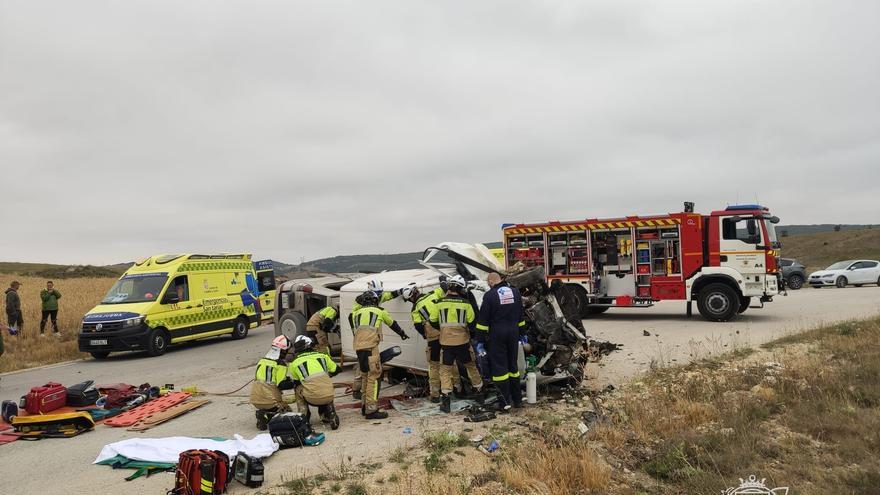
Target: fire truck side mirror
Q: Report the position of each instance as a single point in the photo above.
(774, 219)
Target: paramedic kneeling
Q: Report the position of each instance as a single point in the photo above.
(265, 391)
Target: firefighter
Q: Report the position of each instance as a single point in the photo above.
(265, 392)
(421, 315)
(320, 324)
(498, 333)
(367, 323)
(376, 287)
(310, 372)
(455, 317)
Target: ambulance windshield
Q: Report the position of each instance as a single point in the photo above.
(136, 288)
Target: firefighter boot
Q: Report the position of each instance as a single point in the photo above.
(377, 415)
(445, 403)
(263, 417)
(356, 395)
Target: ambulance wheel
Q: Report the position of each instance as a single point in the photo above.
(718, 302)
(100, 354)
(240, 328)
(292, 324)
(158, 343)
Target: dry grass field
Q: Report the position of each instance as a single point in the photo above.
(78, 295)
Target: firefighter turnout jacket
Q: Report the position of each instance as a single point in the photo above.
(324, 319)
(367, 323)
(421, 314)
(454, 316)
(265, 393)
(312, 370)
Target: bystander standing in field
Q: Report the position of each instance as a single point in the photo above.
(13, 306)
(49, 297)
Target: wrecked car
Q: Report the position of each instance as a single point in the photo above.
(556, 336)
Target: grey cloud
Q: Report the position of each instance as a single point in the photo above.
(309, 129)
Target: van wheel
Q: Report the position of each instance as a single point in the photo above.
(240, 328)
(158, 343)
(744, 304)
(100, 354)
(718, 302)
(841, 282)
(291, 325)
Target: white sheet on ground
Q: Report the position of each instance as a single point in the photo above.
(168, 449)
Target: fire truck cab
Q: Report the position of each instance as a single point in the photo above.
(723, 260)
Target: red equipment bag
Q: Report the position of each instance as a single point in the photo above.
(201, 472)
(116, 394)
(47, 398)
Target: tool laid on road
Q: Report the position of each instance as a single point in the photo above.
(52, 425)
(167, 414)
(201, 472)
(248, 470)
(82, 394)
(130, 418)
(44, 399)
(9, 410)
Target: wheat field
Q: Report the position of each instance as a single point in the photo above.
(78, 296)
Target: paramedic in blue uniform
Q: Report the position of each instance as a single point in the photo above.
(498, 333)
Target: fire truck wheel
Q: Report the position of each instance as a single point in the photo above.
(573, 298)
(744, 304)
(718, 302)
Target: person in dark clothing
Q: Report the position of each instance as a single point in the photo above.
(49, 300)
(498, 333)
(13, 307)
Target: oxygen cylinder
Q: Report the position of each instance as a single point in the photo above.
(531, 387)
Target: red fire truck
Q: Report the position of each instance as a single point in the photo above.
(722, 261)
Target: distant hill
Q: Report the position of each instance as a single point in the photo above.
(819, 228)
(49, 271)
(817, 251)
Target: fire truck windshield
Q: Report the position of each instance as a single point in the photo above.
(771, 234)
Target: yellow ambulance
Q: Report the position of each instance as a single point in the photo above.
(171, 298)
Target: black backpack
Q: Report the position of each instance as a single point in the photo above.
(289, 429)
(82, 394)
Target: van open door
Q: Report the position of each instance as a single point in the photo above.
(265, 271)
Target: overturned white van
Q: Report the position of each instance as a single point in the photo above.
(558, 343)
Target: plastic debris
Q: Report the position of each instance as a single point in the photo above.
(407, 430)
(583, 428)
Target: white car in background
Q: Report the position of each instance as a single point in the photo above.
(851, 272)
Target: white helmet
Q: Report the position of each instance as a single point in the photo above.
(456, 281)
(409, 292)
(375, 286)
(302, 343)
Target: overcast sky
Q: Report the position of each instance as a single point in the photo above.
(309, 129)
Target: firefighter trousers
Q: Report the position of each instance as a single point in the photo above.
(371, 369)
(324, 404)
(451, 357)
(433, 354)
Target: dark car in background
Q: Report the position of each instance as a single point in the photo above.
(794, 274)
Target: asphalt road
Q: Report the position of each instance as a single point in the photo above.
(222, 365)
